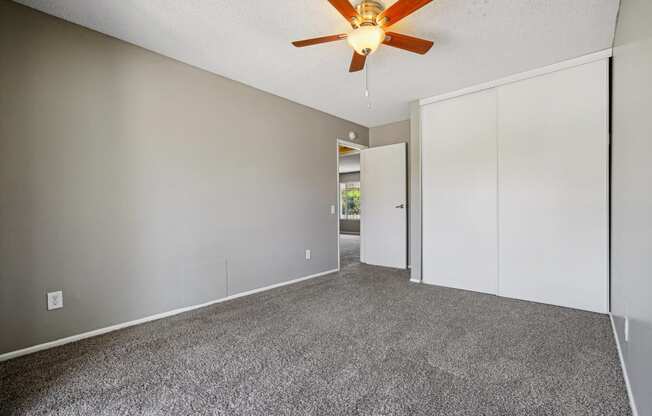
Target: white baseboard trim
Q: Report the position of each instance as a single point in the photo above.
(630, 394)
(62, 341)
(415, 281)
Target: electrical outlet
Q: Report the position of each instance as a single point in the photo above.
(55, 300)
(626, 329)
(307, 254)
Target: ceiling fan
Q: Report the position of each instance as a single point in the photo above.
(369, 21)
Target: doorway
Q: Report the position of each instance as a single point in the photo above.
(372, 205)
(349, 194)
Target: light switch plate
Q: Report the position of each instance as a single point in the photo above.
(55, 300)
(307, 254)
(332, 209)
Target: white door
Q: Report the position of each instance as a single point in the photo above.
(383, 206)
(459, 175)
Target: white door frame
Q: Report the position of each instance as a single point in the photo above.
(353, 145)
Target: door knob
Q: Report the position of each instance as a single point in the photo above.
(400, 206)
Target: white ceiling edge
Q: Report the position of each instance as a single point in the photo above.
(476, 41)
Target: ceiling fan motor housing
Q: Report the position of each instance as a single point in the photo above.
(368, 11)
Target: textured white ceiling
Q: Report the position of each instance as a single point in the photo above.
(249, 41)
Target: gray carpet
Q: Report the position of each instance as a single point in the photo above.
(364, 341)
(349, 250)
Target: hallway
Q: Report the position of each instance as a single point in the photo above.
(349, 250)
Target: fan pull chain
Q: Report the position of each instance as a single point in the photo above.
(366, 80)
(366, 83)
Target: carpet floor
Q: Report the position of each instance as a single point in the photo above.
(364, 341)
(349, 250)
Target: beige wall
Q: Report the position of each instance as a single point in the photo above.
(137, 184)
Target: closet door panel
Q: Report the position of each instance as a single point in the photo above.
(553, 188)
(459, 192)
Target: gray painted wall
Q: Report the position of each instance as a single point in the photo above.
(136, 184)
(631, 261)
(392, 133)
(350, 226)
(350, 177)
(414, 183)
(350, 163)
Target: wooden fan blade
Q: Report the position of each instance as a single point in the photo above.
(400, 9)
(408, 43)
(357, 63)
(315, 41)
(345, 8)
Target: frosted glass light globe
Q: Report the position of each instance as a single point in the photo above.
(366, 39)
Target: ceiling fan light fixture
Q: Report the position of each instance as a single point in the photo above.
(366, 39)
(369, 20)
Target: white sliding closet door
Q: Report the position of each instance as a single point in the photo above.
(459, 192)
(552, 147)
